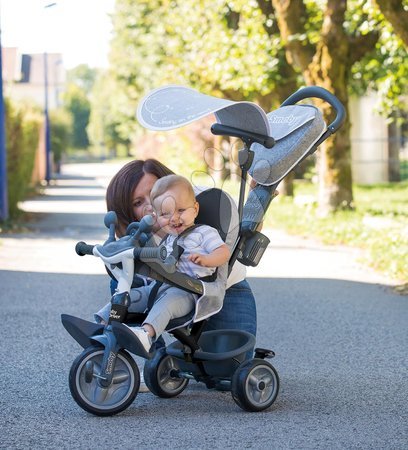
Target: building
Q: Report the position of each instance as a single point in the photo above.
(24, 80)
(24, 76)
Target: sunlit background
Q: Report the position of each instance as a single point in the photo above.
(78, 29)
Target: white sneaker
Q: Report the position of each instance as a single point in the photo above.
(143, 337)
(143, 388)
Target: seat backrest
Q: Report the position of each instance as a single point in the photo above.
(218, 210)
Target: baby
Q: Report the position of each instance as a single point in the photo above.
(175, 209)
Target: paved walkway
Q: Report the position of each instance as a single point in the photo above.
(338, 330)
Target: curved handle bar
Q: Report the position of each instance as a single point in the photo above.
(83, 249)
(324, 94)
(247, 136)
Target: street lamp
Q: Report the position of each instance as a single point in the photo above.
(4, 213)
(46, 116)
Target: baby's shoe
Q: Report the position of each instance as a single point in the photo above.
(143, 337)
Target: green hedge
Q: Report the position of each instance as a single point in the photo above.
(22, 136)
(60, 130)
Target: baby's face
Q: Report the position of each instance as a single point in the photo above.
(176, 210)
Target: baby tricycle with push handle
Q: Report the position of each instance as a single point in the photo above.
(104, 379)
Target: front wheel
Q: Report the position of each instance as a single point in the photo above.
(87, 391)
(255, 385)
(160, 375)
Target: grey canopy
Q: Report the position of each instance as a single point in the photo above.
(171, 107)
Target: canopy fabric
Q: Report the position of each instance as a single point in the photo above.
(173, 106)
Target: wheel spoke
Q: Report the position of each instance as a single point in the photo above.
(120, 376)
(253, 380)
(256, 395)
(100, 394)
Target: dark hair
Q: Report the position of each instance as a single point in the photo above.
(120, 190)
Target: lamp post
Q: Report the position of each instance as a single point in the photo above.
(4, 213)
(46, 116)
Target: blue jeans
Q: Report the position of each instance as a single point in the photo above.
(238, 312)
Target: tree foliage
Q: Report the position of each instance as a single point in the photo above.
(260, 51)
(385, 68)
(76, 102)
(22, 137)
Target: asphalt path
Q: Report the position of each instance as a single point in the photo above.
(338, 329)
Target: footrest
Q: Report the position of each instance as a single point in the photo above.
(128, 340)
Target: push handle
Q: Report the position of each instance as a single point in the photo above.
(323, 94)
(247, 136)
(83, 249)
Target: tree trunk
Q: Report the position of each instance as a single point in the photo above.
(393, 152)
(286, 185)
(334, 170)
(324, 65)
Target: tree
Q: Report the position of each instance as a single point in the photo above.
(226, 50)
(396, 12)
(77, 104)
(325, 58)
(76, 101)
(105, 120)
(259, 51)
(345, 46)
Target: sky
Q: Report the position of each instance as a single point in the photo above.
(79, 29)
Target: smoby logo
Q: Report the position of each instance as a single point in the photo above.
(282, 119)
(111, 360)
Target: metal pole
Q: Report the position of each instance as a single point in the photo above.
(46, 115)
(4, 213)
(47, 123)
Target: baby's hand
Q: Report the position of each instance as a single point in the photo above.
(198, 259)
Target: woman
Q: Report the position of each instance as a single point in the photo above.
(128, 194)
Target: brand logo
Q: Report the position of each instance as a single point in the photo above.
(111, 362)
(114, 314)
(283, 119)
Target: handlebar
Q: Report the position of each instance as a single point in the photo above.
(83, 249)
(323, 94)
(150, 254)
(247, 136)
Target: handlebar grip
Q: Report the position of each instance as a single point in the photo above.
(323, 94)
(225, 130)
(83, 249)
(150, 254)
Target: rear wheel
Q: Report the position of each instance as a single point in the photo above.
(160, 375)
(86, 388)
(255, 385)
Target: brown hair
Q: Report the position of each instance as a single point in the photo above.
(120, 190)
(165, 183)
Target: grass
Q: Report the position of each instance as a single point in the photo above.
(378, 223)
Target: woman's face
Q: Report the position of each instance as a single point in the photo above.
(141, 196)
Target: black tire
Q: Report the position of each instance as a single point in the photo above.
(158, 376)
(85, 386)
(255, 385)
